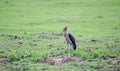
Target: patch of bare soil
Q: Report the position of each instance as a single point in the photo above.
(95, 41)
(118, 62)
(13, 38)
(113, 69)
(106, 57)
(8, 44)
(60, 59)
(2, 60)
(10, 36)
(2, 51)
(46, 35)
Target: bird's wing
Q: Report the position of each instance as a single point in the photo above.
(72, 39)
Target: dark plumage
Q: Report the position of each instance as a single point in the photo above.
(73, 41)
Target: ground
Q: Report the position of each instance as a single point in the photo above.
(29, 35)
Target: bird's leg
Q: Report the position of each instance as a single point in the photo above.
(69, 50)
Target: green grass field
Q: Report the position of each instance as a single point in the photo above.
(95, 25)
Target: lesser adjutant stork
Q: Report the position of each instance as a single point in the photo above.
(69, 38)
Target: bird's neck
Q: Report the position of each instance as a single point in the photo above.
(65, 33)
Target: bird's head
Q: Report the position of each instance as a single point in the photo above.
(65, 28)
(63, 31)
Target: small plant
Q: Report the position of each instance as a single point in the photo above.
(35, 59)
(45, 55)
(77, 53)
(23, 55)
(3, 55)
(12, 57)
(62, 52)
(26, 54)
(23, 67)
(85, 55)
(95, 54)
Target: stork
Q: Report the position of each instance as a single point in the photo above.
(69, 38)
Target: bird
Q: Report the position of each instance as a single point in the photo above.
(69, 38)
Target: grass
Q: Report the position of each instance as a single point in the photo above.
(95, 25)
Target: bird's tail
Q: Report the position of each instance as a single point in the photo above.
(74, 47)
